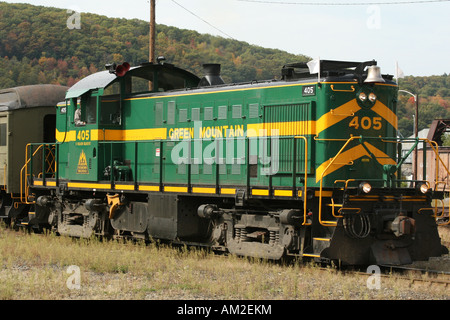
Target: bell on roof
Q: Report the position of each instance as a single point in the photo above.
(374, 75)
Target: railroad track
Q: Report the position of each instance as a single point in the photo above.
(410, 275)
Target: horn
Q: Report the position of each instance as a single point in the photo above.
(127, 66)
(374, 75)
(120, 71)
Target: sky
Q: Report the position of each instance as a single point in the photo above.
(413, 33)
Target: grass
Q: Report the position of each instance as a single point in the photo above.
(444, 233)
(35, 267)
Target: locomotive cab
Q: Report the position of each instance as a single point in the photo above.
(93, 121)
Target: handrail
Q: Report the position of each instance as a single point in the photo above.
(25, 189)
(343, 90)
(324, 222)
(4, 187)
(433, 145)
(332, 208)
(436, 152)
(305, 185)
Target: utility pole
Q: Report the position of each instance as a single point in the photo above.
(416, 131)
(152, 31)
(416, 134)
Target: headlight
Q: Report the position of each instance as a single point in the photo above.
(362, 96)
(365, 187)
(422, 187)
(372, 97)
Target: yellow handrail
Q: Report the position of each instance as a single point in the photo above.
(4, 187)
(343, 90)
(436, 152)
(324, 222)
(24, 187)
(332, 208)
(23, 177)
(305, 186)
(438, 159)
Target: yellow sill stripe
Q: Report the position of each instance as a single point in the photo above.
(228, 191)
(324, 193)
(88, 185)
(149, 188)
(204, 190)
(260, 192)
(176, 189)
(47, 183)
(282, 193)
(124, 187)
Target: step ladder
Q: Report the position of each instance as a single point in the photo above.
(318, 245)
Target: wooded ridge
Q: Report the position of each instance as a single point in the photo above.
(38, 45)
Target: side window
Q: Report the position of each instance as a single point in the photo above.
(109, 112)
(138, 81)
(170, 81)
(86, 113)
(91, 110)
(3, 134)
(139, 84)
(49, 128)
(159, 113)
(112, 89)
(79, 108)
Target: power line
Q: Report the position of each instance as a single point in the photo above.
(204, 20)
(343, 3)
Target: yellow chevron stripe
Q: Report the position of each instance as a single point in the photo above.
(350, 155)
(337, 115)
(382, 157)
(386, 113)
(343, 159)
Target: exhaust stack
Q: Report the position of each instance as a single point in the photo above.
(212, 75)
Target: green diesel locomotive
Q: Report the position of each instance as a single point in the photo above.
(304, 166)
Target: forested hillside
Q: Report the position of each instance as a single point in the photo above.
(36, 46)
(434, 101)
